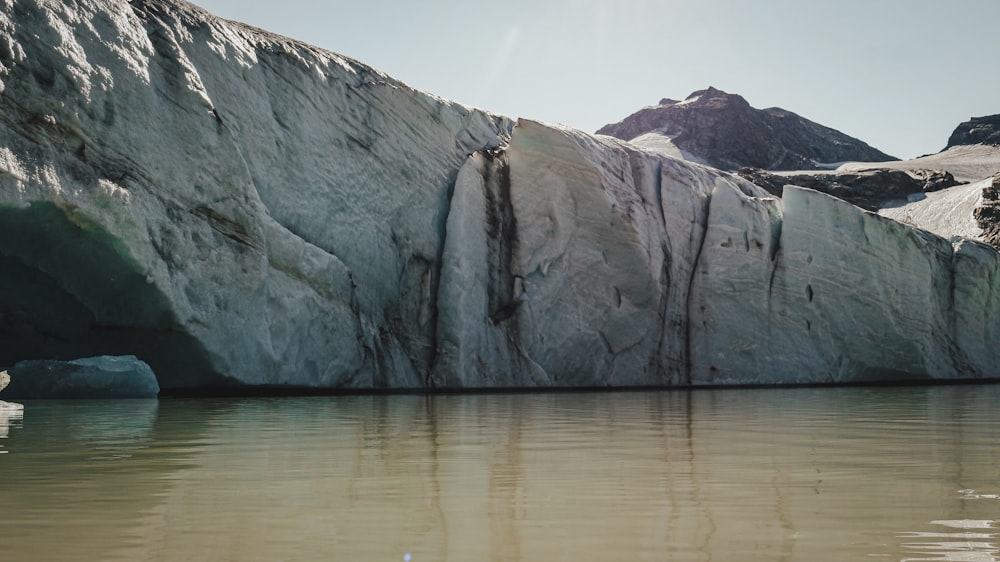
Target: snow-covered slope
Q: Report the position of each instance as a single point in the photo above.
(966, 162)
(948, 212)
(234, 207)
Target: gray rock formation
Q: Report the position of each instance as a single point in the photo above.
(89, 377)
(978, 130)
(724, 131)
(987, 215)
(4, 379)
(867, 188)
(236, 208)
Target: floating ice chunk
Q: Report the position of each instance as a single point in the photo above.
(92, 377)
(9, 411)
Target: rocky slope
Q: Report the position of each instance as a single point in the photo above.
(869, 188)
(961, 210)
(978, 130)
(724, 131)
(949, 193)
(236, 208)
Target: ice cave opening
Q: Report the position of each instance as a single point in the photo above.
(69, 289)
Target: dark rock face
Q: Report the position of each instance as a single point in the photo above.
(978, 130)
(867, 189)
(988, 213)
(725, 131)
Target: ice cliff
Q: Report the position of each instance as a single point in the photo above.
(236, 208)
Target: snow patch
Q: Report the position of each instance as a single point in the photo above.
(967, 163)
(947, 213)
(664, 144)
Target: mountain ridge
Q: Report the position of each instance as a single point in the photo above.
(726, 132)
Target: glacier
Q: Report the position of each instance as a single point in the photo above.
(239, 209)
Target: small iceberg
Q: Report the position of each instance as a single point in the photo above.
(9, 411)
(106, 376)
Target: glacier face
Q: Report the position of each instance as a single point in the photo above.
(587, 260)
(228, 205)
(825, 292)
(233, 207)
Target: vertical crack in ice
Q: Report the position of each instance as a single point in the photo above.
(959, 358)
(434, 291)
(704, 217)
(502, 231)
(774, 254)
(667, 281)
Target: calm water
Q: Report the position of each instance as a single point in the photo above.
(796, 474)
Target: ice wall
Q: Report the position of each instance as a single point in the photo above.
(628, 269)
(281, 208)
(236, 208)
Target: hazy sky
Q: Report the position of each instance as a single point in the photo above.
(898, 74)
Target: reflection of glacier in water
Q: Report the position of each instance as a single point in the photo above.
(759, 475)
(115, 430)
(974, 495)
(963, 540)
(9, 412)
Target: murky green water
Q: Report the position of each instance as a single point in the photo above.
(794, 474)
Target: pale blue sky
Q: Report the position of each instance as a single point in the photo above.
(898, 74)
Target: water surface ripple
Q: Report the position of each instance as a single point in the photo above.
(769, 474)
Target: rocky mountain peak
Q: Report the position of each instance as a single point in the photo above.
(978, 130)
(713, 98)
(725, 131)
